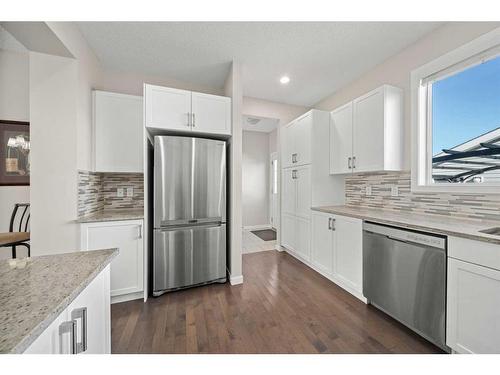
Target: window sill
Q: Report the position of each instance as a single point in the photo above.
(455, 188)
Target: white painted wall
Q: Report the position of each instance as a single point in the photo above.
(14, 105)
(265, 108)
(255, 174)
(233, 88)
(396, 70)
(273, 141)
(53, 117)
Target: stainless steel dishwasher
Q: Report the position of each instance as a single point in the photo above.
(404, 275)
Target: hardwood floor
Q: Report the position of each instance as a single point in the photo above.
(282, 307)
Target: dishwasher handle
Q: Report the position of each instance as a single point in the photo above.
(407, 236)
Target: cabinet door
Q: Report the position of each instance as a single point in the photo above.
(211, 113)
(303, 182)
(93, 326)
(473, 308)
(322, 242)
(301, 131)
(303, 240)
(288, 234)
(341, 140)
(52, 340)
(127, 268)
(287, 146)
(118, 142)
(167, 108)
(368, 133)
(289, 192)
(348, 252)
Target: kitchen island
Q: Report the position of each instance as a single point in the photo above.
(39, 302)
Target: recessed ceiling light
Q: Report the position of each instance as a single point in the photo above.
(284, 80)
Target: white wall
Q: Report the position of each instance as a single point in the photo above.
(255, 172)
(396, 70)
(233, 88)
(14, 105)
(273, 141)
(53, 117)
(265, 108)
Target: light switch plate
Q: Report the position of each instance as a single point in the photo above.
(130, 192)
(368, 190)
(394, 191)
(119, 192)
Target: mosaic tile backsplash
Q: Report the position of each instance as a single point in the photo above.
(470, 206)
(97, 191)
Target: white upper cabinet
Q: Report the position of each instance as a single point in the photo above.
(341, 140)
(297, 141)
(167, 108)
(376, 137)
(180, 110)
(301, 131)
(211, 113)
(117, 135)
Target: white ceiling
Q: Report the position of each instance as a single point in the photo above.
(259, 124)
(319, 57)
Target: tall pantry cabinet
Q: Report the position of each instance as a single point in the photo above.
(305, 179)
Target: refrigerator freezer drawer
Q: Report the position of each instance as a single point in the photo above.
(188, 256)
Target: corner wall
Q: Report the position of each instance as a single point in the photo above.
(233, 88)
(14, 105)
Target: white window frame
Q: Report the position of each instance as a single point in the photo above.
(421, 119)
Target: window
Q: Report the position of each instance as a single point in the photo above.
(456, 119)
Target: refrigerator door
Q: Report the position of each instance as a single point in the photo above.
(186, 256)
(189, 180)
(209, 179)
(172, 180)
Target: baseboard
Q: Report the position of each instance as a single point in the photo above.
(127, 297)
(257, 227)
(236, 280)
(279, 248)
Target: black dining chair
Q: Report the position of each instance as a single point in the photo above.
(19, 220)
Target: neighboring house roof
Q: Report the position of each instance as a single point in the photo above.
(478, 156)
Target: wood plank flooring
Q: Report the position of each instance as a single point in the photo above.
(282, 307)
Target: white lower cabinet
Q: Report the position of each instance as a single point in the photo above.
(295, 236)
(337, 250)
(473, 308)
(348, 252)
(83, 327)
(127, 269)
(322, 240)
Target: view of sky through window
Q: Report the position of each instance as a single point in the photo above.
(465, 105)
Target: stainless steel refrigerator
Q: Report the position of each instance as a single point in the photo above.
(189, 240)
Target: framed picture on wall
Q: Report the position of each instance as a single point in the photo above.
(14, 153)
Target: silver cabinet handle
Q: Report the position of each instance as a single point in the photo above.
(349, 162)
(194, 121)
(333, 224)
(353, 162)
(329, 223)
(81, 313)
(69, 327)
(140, 230)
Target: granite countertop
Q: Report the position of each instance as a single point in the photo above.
(33, 297)
(430, 223)
(113, 215)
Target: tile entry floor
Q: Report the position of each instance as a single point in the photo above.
(254, 244)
